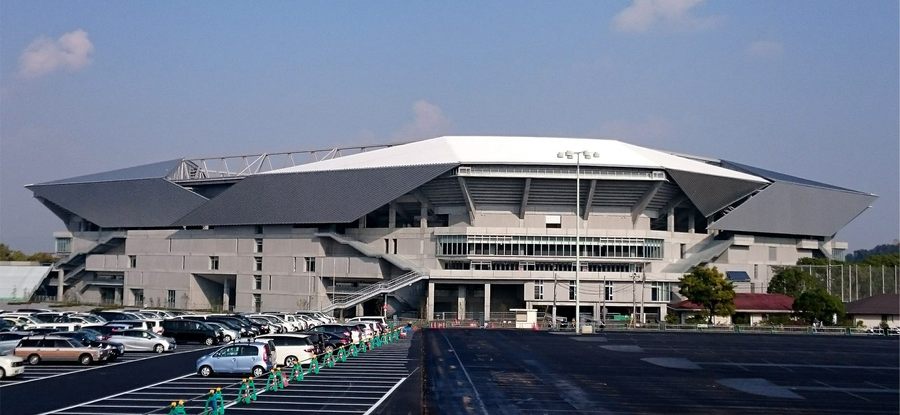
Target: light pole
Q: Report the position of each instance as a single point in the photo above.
(634, 277)
(569, 154)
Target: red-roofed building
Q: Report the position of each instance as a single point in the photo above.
(757, 307)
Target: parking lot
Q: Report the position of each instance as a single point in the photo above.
(473, 371)
(47, 370)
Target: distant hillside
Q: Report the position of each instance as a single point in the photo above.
(886, 254)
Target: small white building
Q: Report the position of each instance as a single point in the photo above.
(874, 310)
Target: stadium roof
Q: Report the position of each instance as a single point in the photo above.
(519, 150)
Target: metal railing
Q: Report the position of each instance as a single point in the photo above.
(347, 300)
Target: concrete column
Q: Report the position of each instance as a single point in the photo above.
(487, 302)
(691, 223)
(117, 296)
(461, 302)
(362, 222)
(423, 217)
(429, 302)
(670, 220)
(61, 276)
(392, 216)
(226, 294)
(359, 310)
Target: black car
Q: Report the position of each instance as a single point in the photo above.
(191, 331)
(91, 339)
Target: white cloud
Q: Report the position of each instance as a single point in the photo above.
(428, 121)
(71, 52)
(765, 49)
(644, 15)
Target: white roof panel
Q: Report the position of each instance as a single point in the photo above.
(517, 150)
(20, 281)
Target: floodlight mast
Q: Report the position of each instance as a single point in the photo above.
(577, 155)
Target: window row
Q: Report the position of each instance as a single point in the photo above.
(659, 291)
(566, 266)
(562, 246)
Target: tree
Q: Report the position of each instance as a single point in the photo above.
(791, 282)
(817, 305)
(708, 288)
(8, 254)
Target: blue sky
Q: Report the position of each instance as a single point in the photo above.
(808, 88)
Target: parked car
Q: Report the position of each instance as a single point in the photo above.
(117, 315)
(11, 366)
(9, 340)
(255, 358)
(93, 339)
(154, 325)
(109, 329)
(191, 331)
(351, 332)
(143, 340)
(55, 348)
(334, 340)
(292, 348)
(228, 334)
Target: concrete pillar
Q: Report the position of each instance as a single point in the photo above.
(392, 216)
(461, 302)
(487, 302)
(61, 277)
(691, 223)
(423, 217)
(670, 220)
(226, 294)
(429, 302)
(359, 310)
(117, 296)
(362, 222)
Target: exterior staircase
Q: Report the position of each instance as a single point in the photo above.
(346, 300)
(365, 249)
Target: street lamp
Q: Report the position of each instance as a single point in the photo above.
(569, 154)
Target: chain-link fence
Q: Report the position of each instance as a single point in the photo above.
(851, 282)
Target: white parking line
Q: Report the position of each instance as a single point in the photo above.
(380, 401)
(465, 372)
(118, 394)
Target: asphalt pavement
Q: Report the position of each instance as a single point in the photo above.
(472, 371)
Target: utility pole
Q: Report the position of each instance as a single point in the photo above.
(633, 297)
(643, 282)
(554, 301)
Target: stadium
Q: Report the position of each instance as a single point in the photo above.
(445, 228)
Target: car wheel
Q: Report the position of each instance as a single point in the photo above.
(290, 361)
(159, 348)
(227, 339)
(34, 359)
(208, 341)
(205, 371)
(257, 371)
(85, 359)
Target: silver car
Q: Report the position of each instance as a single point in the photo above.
(143, 340)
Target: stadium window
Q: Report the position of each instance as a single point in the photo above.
(170, 299)
(214, 263)
(270, 283)
(138, 295)
(258, 245)
(257, 302)
(609, 291)
(773, 253)
(395, 247)
(681, 251)
(387, 246)
(132, 261)
(572, 290)
(538, 290)
(257, 263)
(257, 282)
(553, 221)
(63, 245)
(659, 291)
(309, 264)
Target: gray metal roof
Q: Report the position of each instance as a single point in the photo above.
(712, 193)
(796, 209)
(779, 177)
(156, 170)
(141, 203)
(337, 196)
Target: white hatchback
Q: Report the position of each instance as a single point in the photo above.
(292, 348)
(11, 366)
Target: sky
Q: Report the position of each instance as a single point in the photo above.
(807, 88)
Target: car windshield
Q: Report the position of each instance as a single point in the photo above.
(76, 343)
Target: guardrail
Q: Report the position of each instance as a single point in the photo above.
(375, 289)
(280, 377)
